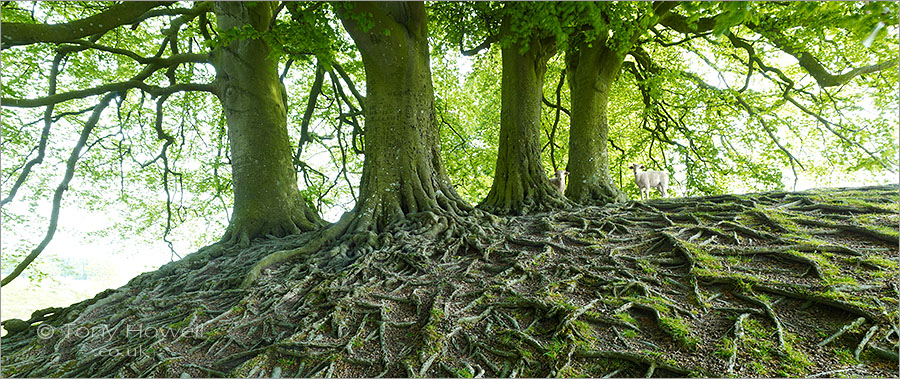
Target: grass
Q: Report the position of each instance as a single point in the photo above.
(726, 348)
(759, 343)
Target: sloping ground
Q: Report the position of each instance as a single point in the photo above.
(772, 284)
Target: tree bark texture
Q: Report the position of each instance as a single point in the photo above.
(402, 172)
(266, 198)
(520, 183)
(592, 69)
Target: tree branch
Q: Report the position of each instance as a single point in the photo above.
(357, 130)
(359, 98)
(809, 62)
(48, 122)
(15, 33)
(750, 111)
(555, 106)
(169, 140)
(788, 86)
(136, 82)
(310, 108)
(680, 23)
(475, 50)
(63, 186)
(552, 137)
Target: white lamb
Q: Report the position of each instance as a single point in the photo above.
(650, 179)
(559, 181)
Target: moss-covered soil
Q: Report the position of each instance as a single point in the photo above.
(771, 284)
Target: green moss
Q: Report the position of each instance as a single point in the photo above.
(859, 202)
(780, 218)
(759, 369)
(555, 348)
(795, 364)
(464, 372)
(760, 345)
(703, 258)
(678, 329)
(646, 266)
(887, 264)
(571, 371)
(283, 362)
(214, 334)
(625, 316)
(845, 356)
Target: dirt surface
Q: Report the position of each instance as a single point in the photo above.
(771, 284)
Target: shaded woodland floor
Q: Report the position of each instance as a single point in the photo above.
(770, 284)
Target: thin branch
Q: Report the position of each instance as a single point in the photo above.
(63, 186)
(287, 67)
(59, 116)
(310, 108)
(359, 98)
(621, 157)
(357, 132)
(462, 141)
(475, 50)
(341, 143)
(169, 140)
(48, 122)
(788, 86)
(844, 138)
(662, 42)
(562, 79)
(809, 62)
(199, 8)
(135, 82)
(555, 106)
(750, 111)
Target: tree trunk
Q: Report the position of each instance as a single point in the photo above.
(266, 198)
(592, 70)
(402, 172)
(520, 183)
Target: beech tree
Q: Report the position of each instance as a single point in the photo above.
(398, 109)
(402, 178)
(631, 56)
(593, 62)
(520, 183)
(612, 51)
(266, 198)
(403, 173)
(179, 111)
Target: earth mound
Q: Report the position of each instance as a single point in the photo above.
(769, 284)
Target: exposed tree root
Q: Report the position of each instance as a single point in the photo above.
(601, 193)
(242, 230)
(625, 290)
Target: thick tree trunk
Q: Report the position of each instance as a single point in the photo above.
(402, 172)
(592, 70)
(266, 198)
(520, 183)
